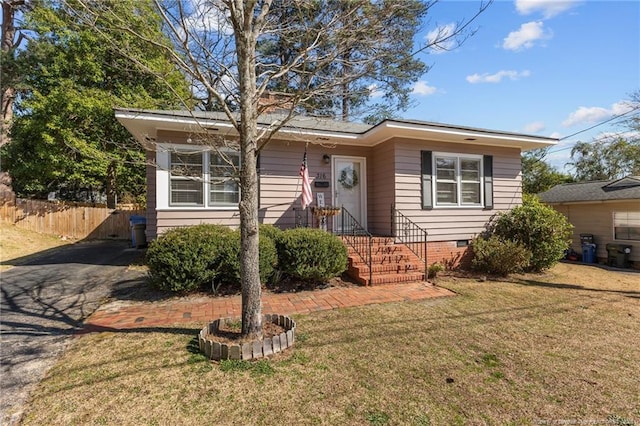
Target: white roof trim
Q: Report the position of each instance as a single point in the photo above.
(145, 124)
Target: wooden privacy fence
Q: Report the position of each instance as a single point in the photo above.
(73, 220)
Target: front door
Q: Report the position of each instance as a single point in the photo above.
(349, 188)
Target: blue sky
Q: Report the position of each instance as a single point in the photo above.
(549, 68)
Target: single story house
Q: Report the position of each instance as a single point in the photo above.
(448, 180)
(609, 210)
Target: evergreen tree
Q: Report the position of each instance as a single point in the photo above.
(64, 135)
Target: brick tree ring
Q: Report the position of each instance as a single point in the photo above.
(217, 350)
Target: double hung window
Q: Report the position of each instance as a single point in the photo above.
(456, 180)
(206, 178)
(223, 189)
(626, 226)
(186, 179)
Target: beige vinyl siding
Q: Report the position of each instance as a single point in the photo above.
(280, 186)
(168, 219)
(597, 219)
(152, 229)
(381, 188)
(393, 176)
(447, 224)
(280, 183)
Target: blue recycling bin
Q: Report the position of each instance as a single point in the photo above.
(588, 253)
(138, 225)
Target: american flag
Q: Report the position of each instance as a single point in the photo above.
(307, 197)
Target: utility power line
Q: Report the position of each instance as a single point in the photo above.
(601, 123)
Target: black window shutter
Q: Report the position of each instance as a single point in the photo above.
(488, 181)
(426, 172)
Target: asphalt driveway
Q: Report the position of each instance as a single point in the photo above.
(44, 302)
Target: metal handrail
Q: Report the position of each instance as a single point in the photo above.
(410, 234)
(356, 236)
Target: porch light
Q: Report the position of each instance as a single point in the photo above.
(326, 158)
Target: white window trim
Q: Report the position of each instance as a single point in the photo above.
(163, 178)
(434, 180)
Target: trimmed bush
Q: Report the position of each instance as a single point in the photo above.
(311, 254)
(184, 259)
(228, 264)
(271, 231)
(539, 228)
(499, 257)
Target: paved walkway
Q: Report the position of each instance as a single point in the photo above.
(44, 301)
(115, 316)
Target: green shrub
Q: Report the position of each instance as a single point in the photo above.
(271, 231)
(274, 233)
(184, 259)
(540, 228)
(499, 257)
(434, 269)
(228, 264)
(311, 254)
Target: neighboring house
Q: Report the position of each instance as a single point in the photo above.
(609, 210)
(449, 180)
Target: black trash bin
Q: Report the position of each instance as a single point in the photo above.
(138, 226)
(618, 255)
(586, 239)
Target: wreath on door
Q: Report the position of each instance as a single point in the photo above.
(348, 178)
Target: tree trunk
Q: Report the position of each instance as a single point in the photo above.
(8, 36)
(249, 271)
(345, 101)
(111, 185)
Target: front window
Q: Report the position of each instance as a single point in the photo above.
(186, 179)
(204, 178)
(626, 226)
(458, 180)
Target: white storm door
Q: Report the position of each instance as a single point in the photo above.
(349, 188)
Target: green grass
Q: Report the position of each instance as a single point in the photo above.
(555, 348)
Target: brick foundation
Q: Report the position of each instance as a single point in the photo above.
(449, 254)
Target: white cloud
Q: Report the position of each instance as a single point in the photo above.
(535, 127)
(497, 77)
(374, 91)
(526, 36)
(591, 115)
(422, 88)
(440, 40)
(556, 135)
(548, 8)
(208, 16)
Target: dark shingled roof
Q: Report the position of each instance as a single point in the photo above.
(299, 122)
(627, 188)
(322, 123)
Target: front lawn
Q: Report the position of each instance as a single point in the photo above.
(559, 348)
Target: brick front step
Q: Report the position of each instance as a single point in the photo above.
(379, 250)
(380, 279)
(382, 259)
(389, 268)
(390, 263)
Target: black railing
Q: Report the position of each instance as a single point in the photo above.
(356, 237)
(302, 218)
(410, 234)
